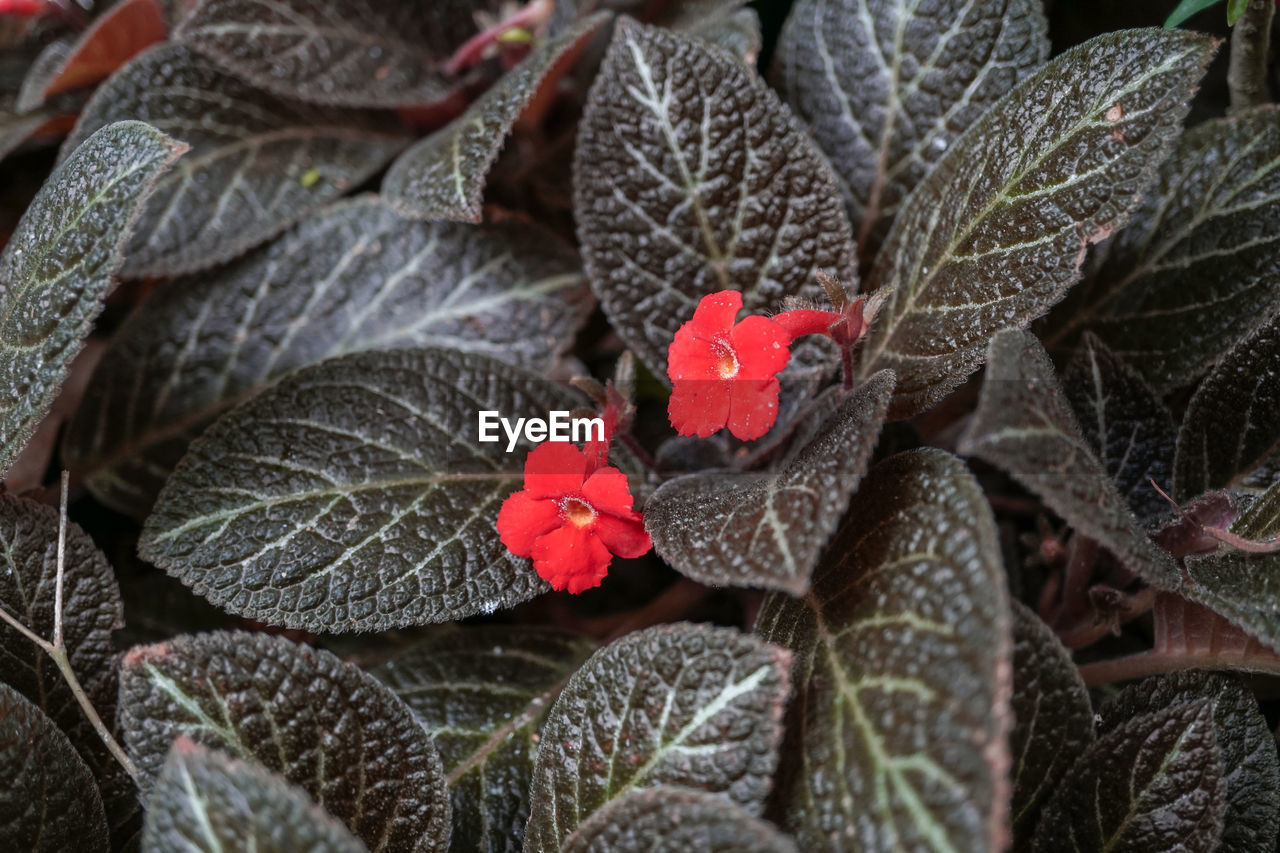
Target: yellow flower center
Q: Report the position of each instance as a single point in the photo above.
(728, 365)
(576, 512)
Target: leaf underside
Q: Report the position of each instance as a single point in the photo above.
(1243, 588)
(354, 495)
(482, 693)
(443, 176)
(768, 530)
(1153, 783)
(354, 277)
(691, 177)
(1248, 750)
(997, 232)
(57, 267)
(205, 802)
(673, 820)
(248, 176)
(886, 86)
(48, 803)
(678, 704)
(299, 712)
(1197, 268)
(898, 738)
(1025, 426)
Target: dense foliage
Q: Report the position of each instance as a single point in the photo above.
(935, 353)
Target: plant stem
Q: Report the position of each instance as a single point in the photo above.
(1158, 663)
(57, 649)
(1250, 40)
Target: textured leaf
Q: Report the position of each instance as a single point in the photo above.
(899, 736)
(355, 496)
(363, 53)
(689, 178)
(355, 277)
(678, 705)
(1261, 520)
(768, 530)
(258, 163)
(92, 611)
(1053, 719)
(58, 266)
(300, 712)
(1248, 751)
(722, 23)
(205, 802)
(1198, 267)
(997, 232)
(1024, 425)
(888, 85)
(675, 820)
(482, 694)
(48, 802)
(1153, 783)
(1126, 424)
(1243, 588)
(87, 58)
(443, 176)
(1232, 425)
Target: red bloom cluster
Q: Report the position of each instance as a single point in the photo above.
(725, 373)
(571, 517)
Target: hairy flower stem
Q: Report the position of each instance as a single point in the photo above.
(57, 649)
(1250, 41)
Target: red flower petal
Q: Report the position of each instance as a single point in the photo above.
(807, 321)
(625, 537)
(571, 558)
(608, 491)
(554, 469)
(762, 347)
(523, 519)
(692, 355)
(753, 408)
(716, 312)
(699, 406)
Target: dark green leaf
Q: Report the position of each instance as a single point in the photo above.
(354, 495)
(899, 740)
(1153, 783)
(679, 705)
(675, 820)
(888, 85)
(1025, 426)
(1243, 588)
(300, 712)
(482, 694)
(1232, 425)
(1196, 269)
(355, 277)
(1248, 751)
(1053, 719)
(58, 266)
(48, 802)
(1235, 10)
(92, 611)
(1261, 521)
(362, 53)
(768, 530)
(691, 177)
(1186, 9)
(997, 232)
(257, 165)
(205, 802)
(1126, 424)
(443, 176)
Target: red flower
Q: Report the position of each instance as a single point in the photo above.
(571, 518)
(725, 373)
